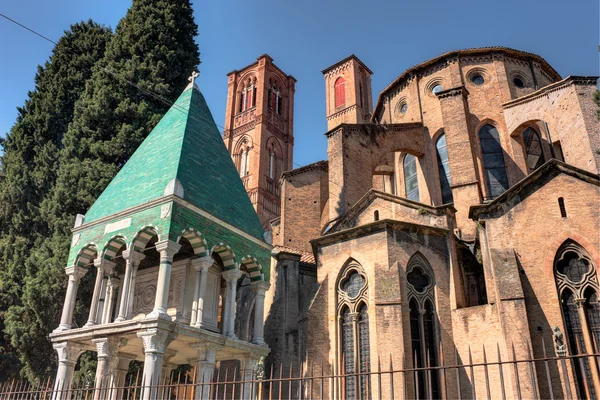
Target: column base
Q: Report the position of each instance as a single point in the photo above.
(61, 328)
(87, 325)
(120, 319)
(260, 342)
(161, 314)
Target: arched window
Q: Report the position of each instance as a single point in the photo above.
(533, 148)
(577, 284)
(340, 92)
(493, 161)
(354, 332)
(274, 99)
(411, 181)
(244, 157)
(423, 326)
(444, 169)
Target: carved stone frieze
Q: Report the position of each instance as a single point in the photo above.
(244, 118)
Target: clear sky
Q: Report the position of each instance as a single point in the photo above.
(305, 36)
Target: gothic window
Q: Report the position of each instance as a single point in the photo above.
(578, 288)
(423, 326)
(274, 99)
(354, 332)
(244, 158)
(444, 169)
(533, 148)
(340, 92)
(411, 181)
(493, 161)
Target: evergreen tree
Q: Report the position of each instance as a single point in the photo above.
(154, 49)
(29, 161)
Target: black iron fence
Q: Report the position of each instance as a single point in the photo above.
(552, 377)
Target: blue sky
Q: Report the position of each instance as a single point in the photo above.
(305, 36)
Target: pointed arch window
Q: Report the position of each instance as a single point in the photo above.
(247, 95)
(423, 326)
(493, 161)
(274, 98)
(444, 169)
(577, 283)
(244, 157)
(354, 342)
(340, 92)
(533, 149)
(411, 181)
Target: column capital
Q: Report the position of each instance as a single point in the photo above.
(202, 263)
(232, 274)
(135, 257)
(260, 286)
(109, 346)
(67, 352)
(169, 246)
(105, 264)
(156, 340)
(76, 272)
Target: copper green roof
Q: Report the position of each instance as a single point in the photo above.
(185, 145)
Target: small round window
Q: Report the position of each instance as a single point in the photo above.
(403, 108)
(519, 82)
(477, 79)
(436, 89)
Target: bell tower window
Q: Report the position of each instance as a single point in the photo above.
(340, 92)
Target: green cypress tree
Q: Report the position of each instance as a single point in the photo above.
(29, 161)
(153, 48)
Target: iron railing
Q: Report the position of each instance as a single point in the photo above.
(529, 378)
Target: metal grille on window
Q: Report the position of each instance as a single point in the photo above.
(354, 332)
(493, 161)
(577, 284)
(364, 351)
(348, 352)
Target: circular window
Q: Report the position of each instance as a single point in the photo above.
(436, 89)
(519, 82)
(418, 280)
(403, 108)
(477, 79)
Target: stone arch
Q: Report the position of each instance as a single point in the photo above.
(143, 236)
(112, 247)
(548, 263)
(86, 255)
(226, 254)
(523, 118)
(196, 240)
(253, 268)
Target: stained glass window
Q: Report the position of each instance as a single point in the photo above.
(364, 351)
(573, 266)
(353, 283)
(444, 169)
(533, 147)
(493, 161)
(410, 177)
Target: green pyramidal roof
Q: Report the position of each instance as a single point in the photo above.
(185, 145)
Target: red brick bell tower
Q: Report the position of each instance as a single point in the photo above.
(259, 131)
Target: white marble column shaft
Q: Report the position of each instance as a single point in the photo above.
(132, 259)
(201, 266)
(67, 358)
(231, 277)
(167, 250)
(155, 343)
(260, 288)
(75, 273)
(205, 366)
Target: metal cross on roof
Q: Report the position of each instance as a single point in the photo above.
(193, 77)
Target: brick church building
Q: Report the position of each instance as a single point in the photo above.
(457, 211)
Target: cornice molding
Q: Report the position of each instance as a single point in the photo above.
(568, 81)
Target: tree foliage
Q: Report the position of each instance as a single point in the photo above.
(29, 162)
(152, 50)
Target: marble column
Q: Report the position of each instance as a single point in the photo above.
(102, 299)
(107, 351)
(167, 250)
(112, 289)
(97, 289)
(231, 277)
(201, 266)
(75, 273)
(248, 368)
(132, 259)
(260, 288)
(205, 366)
(155, 343)
(68, 353)
(119, 375)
